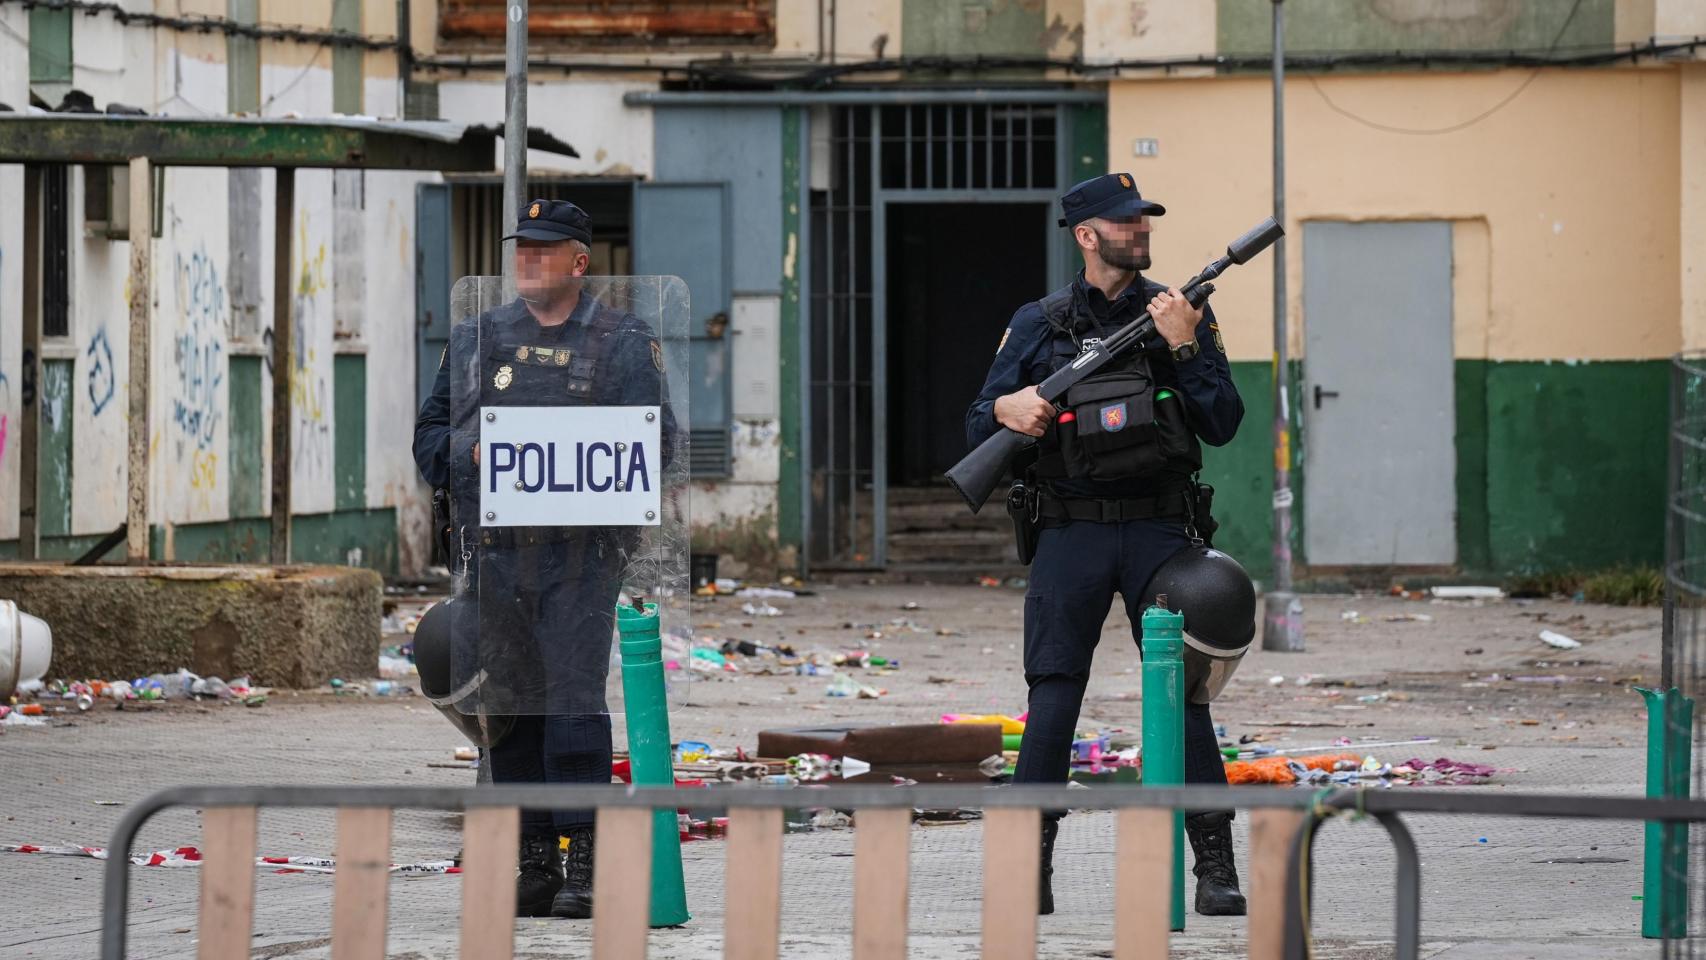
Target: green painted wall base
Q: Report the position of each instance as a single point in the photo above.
(355, 538)
(1560, 466)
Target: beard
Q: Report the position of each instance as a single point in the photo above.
(1121, 257)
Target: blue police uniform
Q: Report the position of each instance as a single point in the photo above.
(1079, 564)
(1118, 499)
(541, 601)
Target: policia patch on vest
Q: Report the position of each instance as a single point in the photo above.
(1219, 344)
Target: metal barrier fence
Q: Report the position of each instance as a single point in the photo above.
(1674, 739)
(1283, 827)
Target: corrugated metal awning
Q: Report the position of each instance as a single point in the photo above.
(342, 142)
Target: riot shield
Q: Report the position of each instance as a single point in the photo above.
(566, 446)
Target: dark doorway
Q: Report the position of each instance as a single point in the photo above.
(956, 274)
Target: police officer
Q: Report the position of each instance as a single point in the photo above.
(1117, 493)
(535, 606)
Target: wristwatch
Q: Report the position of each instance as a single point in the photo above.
(1186, 351)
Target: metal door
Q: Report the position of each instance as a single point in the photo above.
(1380, 462)
(682, 230)
(432, 282)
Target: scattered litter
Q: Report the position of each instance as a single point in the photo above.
(1474, 651)
(1581, 860)
(765, 593)
(1009, 725)
(1281, 770)
(1468, 593)
(1555, 639)
(1409, 618)
(760, 610)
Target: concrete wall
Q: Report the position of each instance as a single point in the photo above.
(352, 287)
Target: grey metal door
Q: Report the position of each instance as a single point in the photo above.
(682, 230)
(1380, 462)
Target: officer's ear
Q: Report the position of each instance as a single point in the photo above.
(582, 260)
(1086, 236)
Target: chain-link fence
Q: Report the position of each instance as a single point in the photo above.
(1673, 730)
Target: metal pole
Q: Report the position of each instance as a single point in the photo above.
(515, 127)
(1282, 621)
(405, 58)
(141, 283)
(283, 363)
(29, 412)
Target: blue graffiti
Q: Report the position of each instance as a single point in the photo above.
(101, 377)
(199, 350)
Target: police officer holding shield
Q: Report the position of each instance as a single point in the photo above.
(530, 628)
(1114, 492)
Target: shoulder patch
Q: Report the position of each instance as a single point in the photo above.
(657, 355)
(442, 354)
(1219, 344)
(1004, 335)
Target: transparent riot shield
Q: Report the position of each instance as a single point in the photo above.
(566, 445)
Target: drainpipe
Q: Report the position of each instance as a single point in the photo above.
(1282, 618)
(515, 127)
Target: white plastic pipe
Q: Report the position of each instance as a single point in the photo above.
(26, 647)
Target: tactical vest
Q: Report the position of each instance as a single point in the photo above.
(573, 371)
(1118, 423)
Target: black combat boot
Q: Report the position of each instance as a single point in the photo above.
(540, 876)
(1045, 871)
(575, 899)
(1217, 876)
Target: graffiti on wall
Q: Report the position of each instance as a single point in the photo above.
(101, 377)
(198, 352)
(310, 400)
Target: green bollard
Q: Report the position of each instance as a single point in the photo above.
(1164, 727)
(649, 754)
(1664, 882)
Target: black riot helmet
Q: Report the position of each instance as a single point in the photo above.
(435, 656)
(1218, 602)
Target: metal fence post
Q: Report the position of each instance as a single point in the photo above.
(649, 754)
(1164, 727)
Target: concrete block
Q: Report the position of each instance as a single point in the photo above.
(293, 626)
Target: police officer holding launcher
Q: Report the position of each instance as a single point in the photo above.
(1115, 488)
(534, 611)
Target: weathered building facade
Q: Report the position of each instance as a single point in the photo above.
(1488, 260)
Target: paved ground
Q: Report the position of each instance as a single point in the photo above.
(1485, 892)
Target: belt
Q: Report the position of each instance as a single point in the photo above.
(1054, 511)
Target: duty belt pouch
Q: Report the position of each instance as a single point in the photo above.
(443, 526)
(1108, 430)
(1027, 524)
(1203, 515)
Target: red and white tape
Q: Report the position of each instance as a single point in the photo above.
(191, 857)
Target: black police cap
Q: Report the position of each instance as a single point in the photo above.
(1112, 195)
(552, 220)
